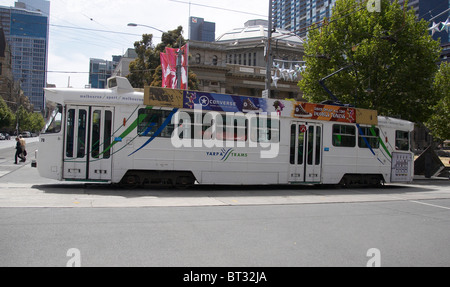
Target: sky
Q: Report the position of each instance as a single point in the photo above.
(75, 24)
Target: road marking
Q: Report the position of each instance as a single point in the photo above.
(433, 205)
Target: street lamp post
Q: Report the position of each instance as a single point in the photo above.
(269, 53)
(147, 26)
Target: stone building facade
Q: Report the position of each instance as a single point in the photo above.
(235, 63)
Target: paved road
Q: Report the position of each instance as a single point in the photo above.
(43, 221)
(338, 234)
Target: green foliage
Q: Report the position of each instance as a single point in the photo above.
(141, 69)
(146, 69)
(439, 123)
(7, 117)
(392, 56)
(29, 121)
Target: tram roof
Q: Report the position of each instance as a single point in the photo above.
(120, 92)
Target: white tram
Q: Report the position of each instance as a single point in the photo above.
(164, 136)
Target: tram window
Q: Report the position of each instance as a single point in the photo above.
(234, 128)
(82, 122)
(318, 144)
(186, 126)
(344, 136)
(301, 146)
(70, 127)
(96, 124)
(372, 137)
(107, 134)
(53, 118)
(402, 140)
(265, 130)
(293, 134)
(152, 120)
(310, 145)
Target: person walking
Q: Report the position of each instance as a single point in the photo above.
(19, 151)
(24, 150)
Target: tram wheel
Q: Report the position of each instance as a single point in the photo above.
(130, 181)
(184, 182)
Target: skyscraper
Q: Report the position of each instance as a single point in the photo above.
(26, 30)
(101, 70)
(434, 11)
(200, 30)
(35, 5)
(298, 15)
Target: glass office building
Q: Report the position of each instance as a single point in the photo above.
(298, 15)
(433, 11)
(201, 30)
(27, 33)
(101, 70)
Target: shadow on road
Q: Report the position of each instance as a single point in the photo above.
(230, 191)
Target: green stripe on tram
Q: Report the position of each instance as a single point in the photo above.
(372, 130)
(130, 129)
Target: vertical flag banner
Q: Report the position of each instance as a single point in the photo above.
(170, 64)
(169, 78)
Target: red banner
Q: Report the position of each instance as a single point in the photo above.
(170, 64)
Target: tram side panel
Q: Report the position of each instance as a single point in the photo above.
(344, 152)
(350, 151)
(338, 160)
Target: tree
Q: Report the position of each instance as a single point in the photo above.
(140, 69)
(6, 115)
(439, 123)
(29, 121)
(146, 69)
(37, 122)
(391, 60)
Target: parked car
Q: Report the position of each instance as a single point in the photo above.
(8, 137)
(26, 134)
(2, 137)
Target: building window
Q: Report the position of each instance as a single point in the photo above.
(215, 60)
(198, 59)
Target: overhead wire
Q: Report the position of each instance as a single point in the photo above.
(218, 8)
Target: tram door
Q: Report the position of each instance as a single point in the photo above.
(305, 153)
(87, 141)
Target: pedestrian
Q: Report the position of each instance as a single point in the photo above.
(24, 150)
(19, 151)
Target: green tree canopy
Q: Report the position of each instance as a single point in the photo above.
(439, 123)
(7, 117)
(146, 69)
(29, 121)
(391, 55)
